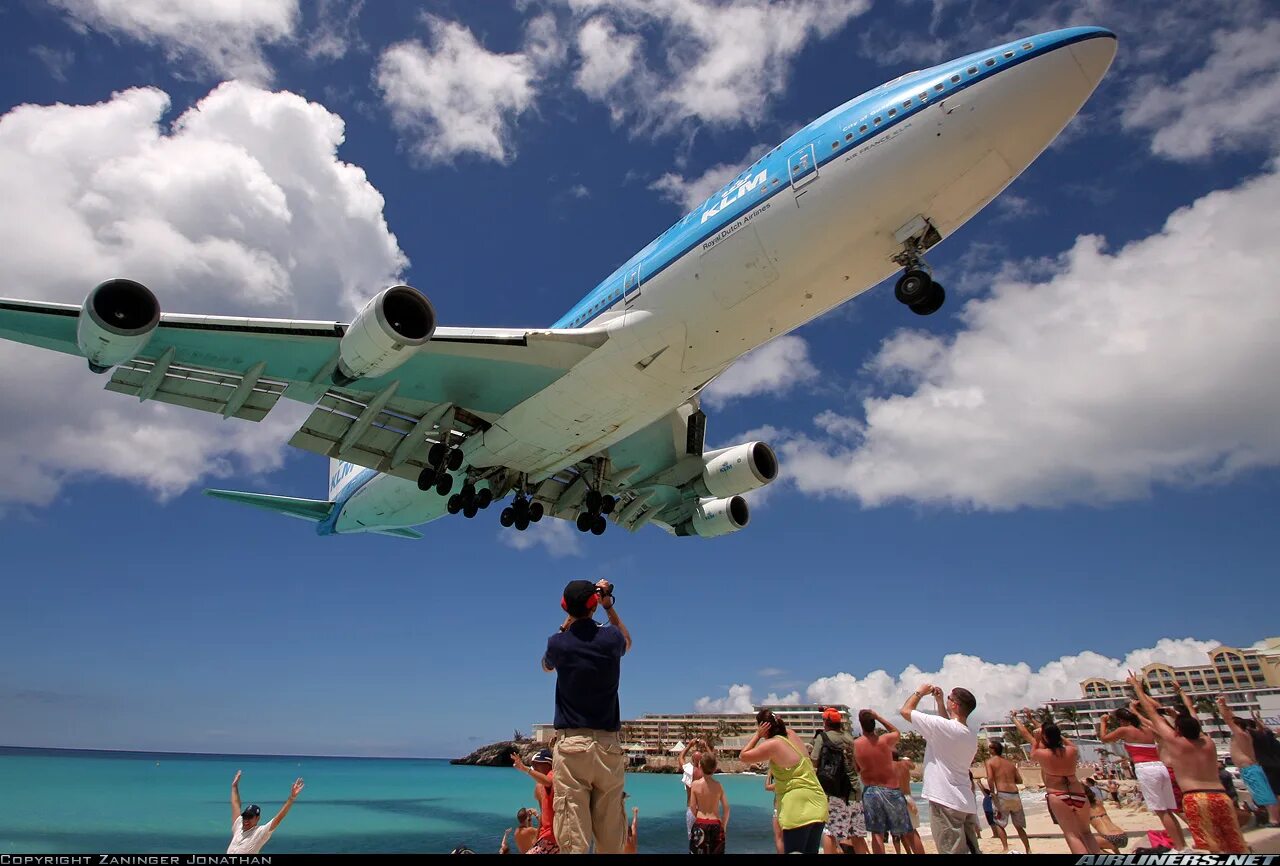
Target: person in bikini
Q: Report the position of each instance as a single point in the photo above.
(1151, 773)
(1068, 803)
(1205, 804)
(1107, 833)
(711, 811)
(1004, 778)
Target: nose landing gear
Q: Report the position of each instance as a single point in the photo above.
(916, 287)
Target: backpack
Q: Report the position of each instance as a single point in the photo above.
(832, 770)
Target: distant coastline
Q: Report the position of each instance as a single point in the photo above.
(34, 750)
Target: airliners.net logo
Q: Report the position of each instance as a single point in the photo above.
(1176, 860)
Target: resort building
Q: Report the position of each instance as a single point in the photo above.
(659, 734)
(1249, 677)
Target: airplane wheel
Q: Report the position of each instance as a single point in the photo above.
(599, 526)
(470, 510)
(454, 505)
(444, 484)
(455, 460)
(585, 521)
(521, 506)
(607, 504)
(932, 303)
(913, 287)
(437, 454)
(592, 501)
(468, 491)
(507, 517)
(522, 523)
(426, 479)
(484, 497)
(535, 512)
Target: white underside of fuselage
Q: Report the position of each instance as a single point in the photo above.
(794, 256)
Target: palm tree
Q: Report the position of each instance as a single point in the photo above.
(912, 746)
(1071, 717)
(1207, 706)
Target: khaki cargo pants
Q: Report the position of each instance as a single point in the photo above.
(589, 772)
(952, 830)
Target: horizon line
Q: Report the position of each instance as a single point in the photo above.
(226, 754)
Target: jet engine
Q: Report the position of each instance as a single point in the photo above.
(736, 470)
(396, 319)
(116, 322)
(715, 517)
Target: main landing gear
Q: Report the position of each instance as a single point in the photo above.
(469, 500)
(521, 512)
(591, 518)
(916, 287)
(441, 458)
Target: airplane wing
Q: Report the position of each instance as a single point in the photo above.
(241, 367)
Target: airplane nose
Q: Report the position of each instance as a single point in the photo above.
(1095, 56)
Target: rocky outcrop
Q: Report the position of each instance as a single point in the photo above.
(498, 754)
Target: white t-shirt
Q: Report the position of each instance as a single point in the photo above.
(251, 842)
(686, 774)
(949, 750)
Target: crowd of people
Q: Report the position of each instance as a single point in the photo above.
(837, 791)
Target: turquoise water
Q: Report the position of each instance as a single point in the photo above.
(135, 802)
(55, 801)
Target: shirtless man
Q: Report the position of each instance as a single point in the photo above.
(1004, 778)
(690, 772)
(905, 767)
(526, 831)
(1205, 804)
(710, 810)
(1244, 757)
(883, 806)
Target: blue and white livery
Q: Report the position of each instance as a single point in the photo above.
(596, 419)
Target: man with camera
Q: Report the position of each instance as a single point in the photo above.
(589, 764)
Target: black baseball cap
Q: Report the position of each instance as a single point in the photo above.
(576, 595)
(542, 757)
(251, 812)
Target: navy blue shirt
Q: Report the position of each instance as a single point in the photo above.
(586, 658)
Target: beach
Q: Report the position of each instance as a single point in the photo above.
(1046, 838)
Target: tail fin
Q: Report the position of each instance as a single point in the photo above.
(337, 471)
(314, 510)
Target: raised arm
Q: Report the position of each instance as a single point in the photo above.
(1186, 701)
(885, 723)
(912, 702)
(235, 796)
(288, 804)
(1151, 710)
(684, 753)
(606, 600)
(755, 751)
(519, 764)
(941, 702)
(1031, 735)
(1229, 717)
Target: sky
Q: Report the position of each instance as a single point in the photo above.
(1069, 470)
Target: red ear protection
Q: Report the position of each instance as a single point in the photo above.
(592, 600)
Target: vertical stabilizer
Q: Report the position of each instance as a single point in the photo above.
(337, 472)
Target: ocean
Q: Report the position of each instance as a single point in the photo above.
(62, 801)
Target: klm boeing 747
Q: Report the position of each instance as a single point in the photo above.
(596, 419)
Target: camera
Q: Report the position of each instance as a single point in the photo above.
(605, 591)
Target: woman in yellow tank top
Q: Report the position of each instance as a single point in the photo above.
(802, 804)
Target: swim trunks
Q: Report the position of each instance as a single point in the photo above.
(886, 811)
(1259, 787)
(1212, 821)
(706, 837)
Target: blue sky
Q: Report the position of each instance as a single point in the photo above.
(1072, 463)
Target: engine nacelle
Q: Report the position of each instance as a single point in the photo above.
(116, 322)
(736, 470)
(715, 517)
(396, 319)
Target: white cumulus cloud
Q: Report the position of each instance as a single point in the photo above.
(226, 37)
(1119, 372)
(688, 193)
(774, 368)
(454, 96)
(999, 687)
(242, 207)
(1232, 102)
(658, 63)
(557, 537)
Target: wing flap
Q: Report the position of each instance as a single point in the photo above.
(248, 395)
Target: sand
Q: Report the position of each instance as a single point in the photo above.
(1046, 838)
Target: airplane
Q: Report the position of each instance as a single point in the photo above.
(597, 419)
